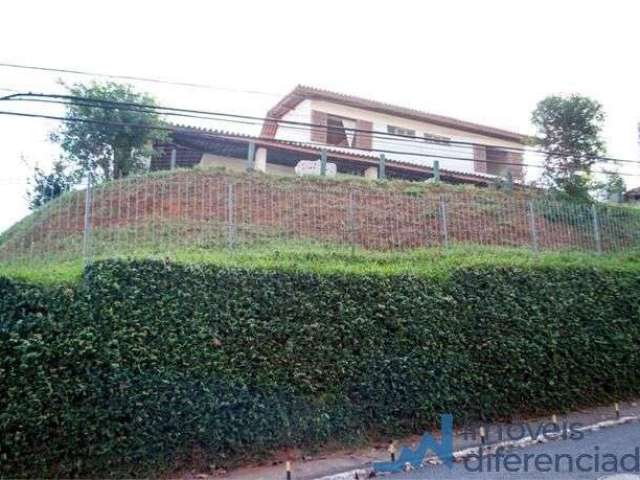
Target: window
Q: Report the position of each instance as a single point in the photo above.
(340, 131)
(400, 131)
(501, 157)
(439, 139)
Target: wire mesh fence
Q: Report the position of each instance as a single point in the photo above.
(162, 214)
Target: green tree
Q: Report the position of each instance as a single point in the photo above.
(47, 186)
(613, 187)
(114, 140)
(569, 131)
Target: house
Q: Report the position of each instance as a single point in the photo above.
(353, 132)
(632, 195)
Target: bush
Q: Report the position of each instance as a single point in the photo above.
(145, 364)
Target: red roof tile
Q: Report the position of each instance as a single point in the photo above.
(335, 152)
(302, 92)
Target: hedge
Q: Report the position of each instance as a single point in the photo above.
(148, 365)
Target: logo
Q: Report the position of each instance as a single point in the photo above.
(495, 457)
(443, 450)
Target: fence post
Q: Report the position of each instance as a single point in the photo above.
(88, 205)
(382, 174)
(352, 222)
(323, 162)
(532, 224)
(173, 159)
(251, 156)
(230, 219)
(443, 223)
(509, 181)
(596, 228)
(436, 170)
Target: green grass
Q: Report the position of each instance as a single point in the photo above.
(44, 272)
(57, 260)
(432, 262)
(281, 182)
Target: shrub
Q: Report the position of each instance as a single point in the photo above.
(146, 362)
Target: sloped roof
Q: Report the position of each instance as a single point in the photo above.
(334, 153)
(302, 92)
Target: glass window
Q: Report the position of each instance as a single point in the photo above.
(439, 139)
(400, 131)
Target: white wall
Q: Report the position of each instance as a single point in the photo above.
(298, 133)
(380, 122)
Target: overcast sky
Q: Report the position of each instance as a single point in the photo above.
(483, 61)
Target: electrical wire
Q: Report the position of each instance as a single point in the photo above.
(174, 129)
(138, 79)
(372, 133)
(207, 86)
(178, 129)
(433, 155)
(73, 98)
(435, 146)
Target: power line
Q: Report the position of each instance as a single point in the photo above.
(317, 144)
(128, 106)
(247, 138)
(422, 140)
(232, 137)
(141, 109)
(146, 109)
(372, 133)
(279, 121)
(137, 78)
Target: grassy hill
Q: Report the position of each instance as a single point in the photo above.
(210, 210)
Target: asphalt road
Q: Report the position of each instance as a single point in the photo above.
(591, 457)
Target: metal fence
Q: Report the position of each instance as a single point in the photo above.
(164, 213)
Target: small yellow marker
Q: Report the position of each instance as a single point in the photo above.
(288, 467)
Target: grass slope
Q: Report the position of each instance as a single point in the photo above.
(166, 213)
(431, 262)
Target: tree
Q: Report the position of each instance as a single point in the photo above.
(114, 140)
(47, 186)
(569, 130)
(613, 187)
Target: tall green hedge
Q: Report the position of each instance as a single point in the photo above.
(147, 364)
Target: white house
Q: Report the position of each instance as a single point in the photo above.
(353, 133)
(454, 143)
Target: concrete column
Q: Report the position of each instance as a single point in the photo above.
(173, 159)
(261, 160)
(371, 173)
(251, 157)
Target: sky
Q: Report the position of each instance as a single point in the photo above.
(485, 61)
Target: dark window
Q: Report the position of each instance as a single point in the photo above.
(400, 131)
(500, 157)
(340, 131)
(438, 139)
